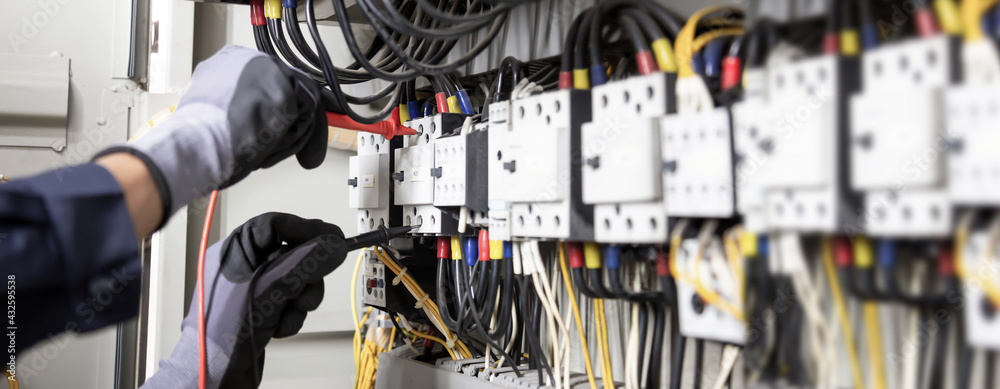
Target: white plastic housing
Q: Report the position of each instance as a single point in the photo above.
(973, 138)
(698, 167)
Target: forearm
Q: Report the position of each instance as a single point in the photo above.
(142, 198)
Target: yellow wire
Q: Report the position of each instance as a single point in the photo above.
(576, 316)
(731, 245)
(354, 291)
(703, 39)
(709, 295)
(683, 42)
(989, 288)
(972, 12)
(845, 323)
(420, 295)
(436, 339)
(602, 344)
(874, 333)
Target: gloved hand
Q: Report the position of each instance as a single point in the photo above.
(287, 282)
(244, 111)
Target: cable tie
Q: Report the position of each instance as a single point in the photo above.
(450, 342)
(410, 345)
(395, 281)
(420, 303)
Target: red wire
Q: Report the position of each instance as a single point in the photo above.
(201, 289)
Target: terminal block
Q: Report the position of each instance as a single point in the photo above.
(699, 319)
(622, 159)
(540, 157)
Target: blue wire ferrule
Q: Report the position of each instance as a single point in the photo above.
(886, 254)
(612, 256)
(869, 37)
(471, 251)
(413, 107)
(508, 249)
(289, 3)
(698, 63)
(763, 247)
(464, 102)
(598, 76)
(428, 109)
(713, 59)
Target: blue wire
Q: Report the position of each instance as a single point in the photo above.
(612, 256)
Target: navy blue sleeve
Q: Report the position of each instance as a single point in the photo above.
(67, 239)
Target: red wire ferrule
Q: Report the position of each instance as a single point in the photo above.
(645, 62)
(842, 252)
(926, 25)
(444, 247)
(662, 263)
(484, 246)
(565, 80)
(575, 253)
(946, 260)
(732, 68)
(442, 102)
(831, 43)
(257, 13)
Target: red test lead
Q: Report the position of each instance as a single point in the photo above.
(386, 128)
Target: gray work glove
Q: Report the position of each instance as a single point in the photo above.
(244, 111)
(286, 258)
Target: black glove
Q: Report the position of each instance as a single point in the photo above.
(285, 258)
(244, 111)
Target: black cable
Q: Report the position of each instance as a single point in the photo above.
(536, 350)
(699, 351)
(643, 327)
(659, 326)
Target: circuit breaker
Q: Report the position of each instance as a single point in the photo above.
(541, 166)
(499, 208)
(795, 136)
(622, 159)
(973, 162)
(369, 182)
(699, 319)
(698, 164)
(897, 155)
(414, 175)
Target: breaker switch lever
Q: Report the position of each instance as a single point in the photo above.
(398, 176)
(509, 166)
(594, 162)
(352, 182)
(436, 172)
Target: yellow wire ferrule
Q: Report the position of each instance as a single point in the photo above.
(496, 249)
(947, 15)
(849, 43)
(272, 9)
(863, 256)
(404, 113)
(592, 255)
(453, 105)
(581, 79)
(456, 248)
(748, 244)
(664, 54)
